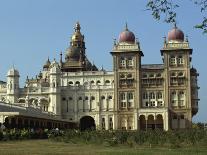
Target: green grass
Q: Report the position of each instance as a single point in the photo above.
(47, 147)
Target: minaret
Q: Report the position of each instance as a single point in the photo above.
(12, 85)
(176, 54)
(127, 67)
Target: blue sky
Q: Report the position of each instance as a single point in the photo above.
(32, 30)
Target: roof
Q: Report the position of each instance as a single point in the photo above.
(152, 66)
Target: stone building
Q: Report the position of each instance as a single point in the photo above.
(131, 97)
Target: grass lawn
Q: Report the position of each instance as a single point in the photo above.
(46, 147)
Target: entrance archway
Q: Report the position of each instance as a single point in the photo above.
(87, 123)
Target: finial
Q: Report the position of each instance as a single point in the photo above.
(61, 54)
(114, 41)
(165, 39)
(186, 38)
(77, 26)
(126, 27)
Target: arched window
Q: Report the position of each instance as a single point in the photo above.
(109, 97)
(80, 98)
(107, 82)
(130, 96)
(102, 97)
(70, 98)
(92, 98)
(98, 82)
(86, 98)
(70, 83)
(92, 82)
(77, 83)
(180, 74)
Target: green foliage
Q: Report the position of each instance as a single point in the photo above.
(166, 9)
(171, 139)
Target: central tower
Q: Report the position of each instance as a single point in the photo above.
(126, 65)
(75, 58)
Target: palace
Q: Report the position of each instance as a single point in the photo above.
(131, 97)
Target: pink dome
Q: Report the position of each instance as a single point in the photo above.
(175, 34)
(127, 36)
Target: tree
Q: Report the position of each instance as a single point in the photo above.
(166, 9)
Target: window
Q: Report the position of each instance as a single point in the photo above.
(182, 117)
(103, 123)
(122, 76)
(129, 76)
(151, 75)
(122, 62)
(158, 75)
(145, 95)
(70, 98)
(173, 74)
(92, 82)
(102, 97)
(172, 60)
(86, 98)
(152, 95)
(109, 97)
(110, 123)
(123, 104)
(77, 83)
(70, 83)
(130, 96)
(107, 82)
(180, 60)
(98, 82)
(92, 98)
(123, 96)
(144, 76)
(159, 95)
(80, 98)
(180, 74)
(130, 62)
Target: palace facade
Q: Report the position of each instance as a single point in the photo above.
(131, 97)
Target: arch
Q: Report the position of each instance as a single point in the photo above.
(107, 82)
(151, 122)
(142, 122)
(98, 82)
(77, 82)
(70, 83)
(92, 82)
(159, 121)
(87, 123)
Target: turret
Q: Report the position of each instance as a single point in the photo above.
(12, 85)
(55, 88)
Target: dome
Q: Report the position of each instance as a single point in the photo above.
(73, 53)
(127, 36)
(13, 72)
(47, 64)
(175, 34)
